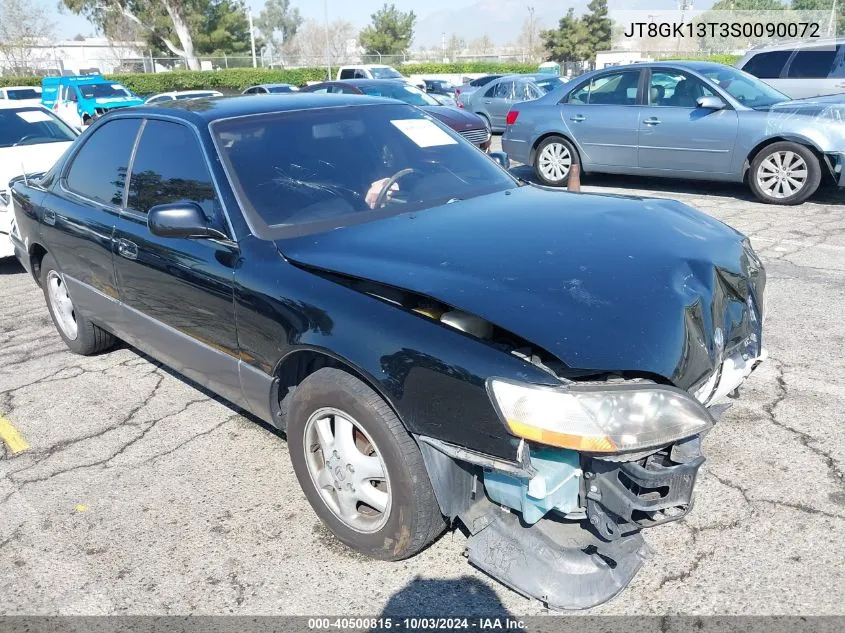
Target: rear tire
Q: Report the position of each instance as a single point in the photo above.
(553, 161)
(79, 334)
(330, 405)
(784, 173)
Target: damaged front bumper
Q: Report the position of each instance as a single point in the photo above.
(564, 528)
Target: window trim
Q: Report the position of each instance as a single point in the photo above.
(688, 75)
(642, 72)
(64, 185)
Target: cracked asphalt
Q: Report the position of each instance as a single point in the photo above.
(141, 493)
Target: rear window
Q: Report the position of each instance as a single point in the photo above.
(483, 81)
(767, 65)
(812, 63)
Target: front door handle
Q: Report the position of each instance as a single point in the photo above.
(652, 121)
(487, 102)
(127, 249)
(578, 118)
(50, 217)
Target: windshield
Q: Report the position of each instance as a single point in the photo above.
(384, 73)
(547, 85)
(31, 126)
(402, 92)
(745, 88)
(103, 91)
(323, 168)
(23, 93)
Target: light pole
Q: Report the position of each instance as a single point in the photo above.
(328, 51)
(252, 40)
(530, 32)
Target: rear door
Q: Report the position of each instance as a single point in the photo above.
(177, 293)
(497, 102)
(602, 115)
(676, 135)
(81, 212)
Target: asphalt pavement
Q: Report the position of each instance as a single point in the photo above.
(125, 489)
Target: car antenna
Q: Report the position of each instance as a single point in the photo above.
(23, 171)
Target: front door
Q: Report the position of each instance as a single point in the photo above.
(177, 294)
(676, 135)
(68, 106)
(602, 115)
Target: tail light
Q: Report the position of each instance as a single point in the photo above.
(457, 91)
(512, 116)
(460, 105)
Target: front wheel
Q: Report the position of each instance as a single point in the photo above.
(360, 470)
(553, 160)
(784, 173)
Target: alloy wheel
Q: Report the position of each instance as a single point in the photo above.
(782, 174)
(554, 162)
(62, 305)
(347, 469)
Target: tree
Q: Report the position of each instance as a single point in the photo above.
(118, 30)
(390, 33)
(455, 46)
(483, 45)
(529, 43)
(311, 42)
(22, 25)
(160, 19)
(278, 23)
(569, 42)
(222, 27)
(827, 6)
(598, 27)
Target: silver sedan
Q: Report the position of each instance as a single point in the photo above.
(692, 120)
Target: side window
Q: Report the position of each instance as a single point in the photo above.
(323, 90)
(262, 91)
(347, 73)
(491, 92)
(611, 89)
(98, 170)
(838, 70)
(169, 167)
(156, 99)
(812, 63)
(250, 91)
(71, 94)
(767, 65)
(675, 89)
(504, 90)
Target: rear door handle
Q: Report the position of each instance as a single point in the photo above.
(578, 118)
(127, 249)
(50, 217)
(652, 121)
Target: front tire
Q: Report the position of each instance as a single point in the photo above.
(553, 161)
(79, 334)
(784, 173)
(360, 470)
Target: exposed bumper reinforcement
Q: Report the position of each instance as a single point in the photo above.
(557, 562)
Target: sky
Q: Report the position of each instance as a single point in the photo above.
(355, 11)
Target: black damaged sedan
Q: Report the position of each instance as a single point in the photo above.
(438, 341)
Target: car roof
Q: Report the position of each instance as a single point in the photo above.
(208, 109)
(21, 88)
(11, 104)
(271, 86)
(797, 44)
(369, 82)
(690, 64)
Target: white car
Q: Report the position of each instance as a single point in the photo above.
(31, 139)
(376, 71)
(21, 94)
(178, 95)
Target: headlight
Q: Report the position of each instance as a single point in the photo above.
(600, 418)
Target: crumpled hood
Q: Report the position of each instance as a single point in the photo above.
(604, 283)
(828, 106)
(15, 161)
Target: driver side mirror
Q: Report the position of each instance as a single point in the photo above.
(181, 219)
(502, 159)
(711, 103)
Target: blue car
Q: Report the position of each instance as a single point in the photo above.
(691, 120)
(81, 99)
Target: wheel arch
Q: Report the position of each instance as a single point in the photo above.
(36, 255)
(301, 362)
(532, 156)
(792, 138)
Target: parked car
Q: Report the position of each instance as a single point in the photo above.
(799, 69)
(691, 120)
(80, 99)
(439, 87)
(29, 94)
(463, 91)
(494, 101)
(375, 71)
(270, 89)
(457, 347)
(178, 95)
(31, 139)
(468, 125)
